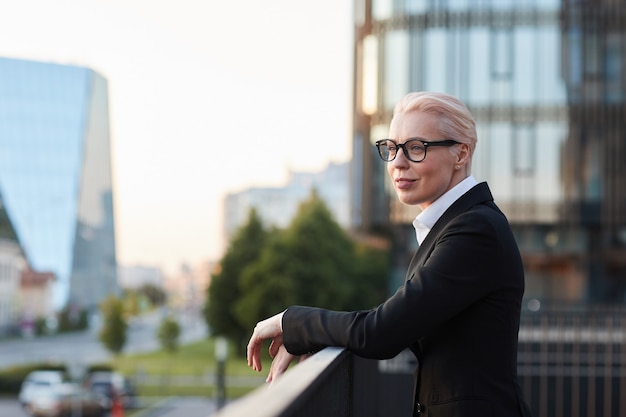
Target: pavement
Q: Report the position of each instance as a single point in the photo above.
(168, 407)
(10, 407)
(181, 407)
(84, 347)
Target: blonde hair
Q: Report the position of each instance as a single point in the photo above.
(457, 121)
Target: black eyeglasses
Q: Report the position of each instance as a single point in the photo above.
(414, 149)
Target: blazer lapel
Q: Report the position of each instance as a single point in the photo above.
(478, 194)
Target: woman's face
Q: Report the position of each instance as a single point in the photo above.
(421, 183)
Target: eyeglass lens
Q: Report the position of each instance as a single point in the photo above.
(414, 149)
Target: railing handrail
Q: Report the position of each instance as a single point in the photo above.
(271, 400)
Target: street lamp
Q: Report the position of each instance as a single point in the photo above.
(221, 354)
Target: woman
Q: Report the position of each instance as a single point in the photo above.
(459, 308)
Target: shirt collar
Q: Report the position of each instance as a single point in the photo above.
(427, 218)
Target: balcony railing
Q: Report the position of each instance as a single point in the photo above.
(323, 385)
(570, 364)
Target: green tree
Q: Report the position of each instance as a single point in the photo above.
(311, 263)
(114, 326)
(224, 290)
(322, 253)
(168, 334)
(156, 295)
(131, 303)
(266, 285)
(369, 281)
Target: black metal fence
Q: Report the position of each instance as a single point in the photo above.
(571, 363)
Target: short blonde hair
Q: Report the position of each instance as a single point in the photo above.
(457, 121)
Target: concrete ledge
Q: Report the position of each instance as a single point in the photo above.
(271, 400)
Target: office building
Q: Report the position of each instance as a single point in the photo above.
(546, 83)
(55, 175)
(277, 206)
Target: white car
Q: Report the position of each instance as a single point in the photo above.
(39, 382)
(68, 399)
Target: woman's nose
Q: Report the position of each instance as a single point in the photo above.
(400, 161)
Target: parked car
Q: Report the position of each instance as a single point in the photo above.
(37, 382)
(66, 400)
(112, 384)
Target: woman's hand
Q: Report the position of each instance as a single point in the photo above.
(266, 329)
(281, 362)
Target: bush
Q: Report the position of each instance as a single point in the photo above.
(99, 367)
(11, 378)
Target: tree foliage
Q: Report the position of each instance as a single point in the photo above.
(368, 286)
(223, 292)
(156, 295)
(311, 262)
(114, 325)
(168, 334)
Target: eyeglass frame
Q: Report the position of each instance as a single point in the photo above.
(426, 143)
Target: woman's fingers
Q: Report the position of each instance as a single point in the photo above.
(280, 363)
(267, 329)
(277, 342)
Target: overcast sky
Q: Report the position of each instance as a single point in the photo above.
(206, 97)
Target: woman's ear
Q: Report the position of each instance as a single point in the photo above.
(464, 154)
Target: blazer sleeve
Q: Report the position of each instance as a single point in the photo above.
(469, 261)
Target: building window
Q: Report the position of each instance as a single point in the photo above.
(382, 9)
(614, 70)
(502, 53)
(435, 64)
(396, 67)
(369, 81)
(524, 150)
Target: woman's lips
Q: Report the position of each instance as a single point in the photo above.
(404, 183)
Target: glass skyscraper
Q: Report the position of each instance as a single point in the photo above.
(546, 83)
(55, 175)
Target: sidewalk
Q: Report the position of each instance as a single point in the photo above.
(180, 407)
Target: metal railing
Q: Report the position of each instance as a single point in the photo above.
(570, 363)
(335, 383)
(573, 363)
(321, 385)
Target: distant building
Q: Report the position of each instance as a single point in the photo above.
(55, 175)
(277, 206)
(133, 277)
(186, 289)
(36, 294)
(12, 263)
(25, 294)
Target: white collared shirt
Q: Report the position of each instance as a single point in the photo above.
(427, 218)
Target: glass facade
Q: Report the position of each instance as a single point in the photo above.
(55, 175)
(545, 80)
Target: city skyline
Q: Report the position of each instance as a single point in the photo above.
(187, 84)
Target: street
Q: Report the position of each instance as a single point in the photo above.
(10, 407)
(182, 407)
(170, 407)
(82, 348)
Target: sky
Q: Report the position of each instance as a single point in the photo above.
(206, 97)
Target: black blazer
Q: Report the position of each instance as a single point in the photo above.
(458, 311)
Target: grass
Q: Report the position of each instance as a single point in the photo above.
(188, 360)
(187, 372)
